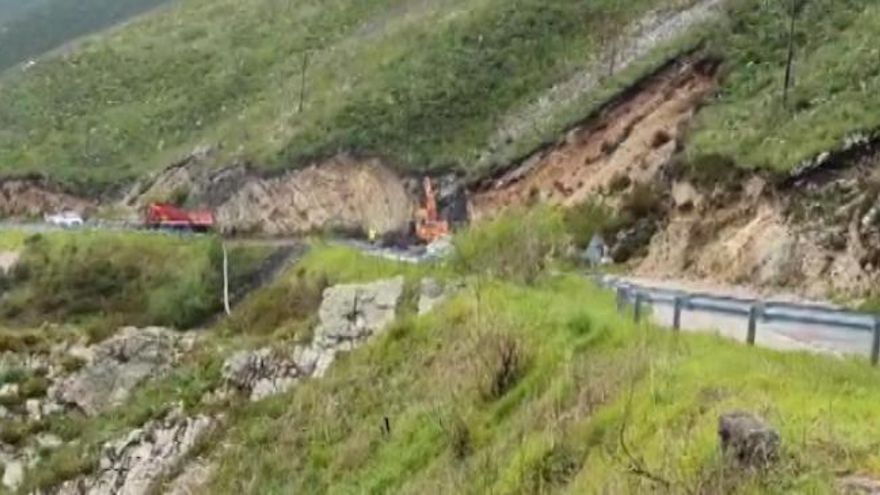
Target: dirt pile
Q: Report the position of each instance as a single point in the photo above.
(632, 138)
(28, 198)
(819, 238)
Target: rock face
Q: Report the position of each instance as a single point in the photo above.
(29, 198)
(349, 315)
(267, 372)
(858, 485)
(748, 439)
(116, 366)
(135, 464)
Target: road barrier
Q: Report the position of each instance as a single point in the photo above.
(754, 310)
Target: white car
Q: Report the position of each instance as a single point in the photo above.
(66, 219)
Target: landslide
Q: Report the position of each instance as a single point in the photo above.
(343, 193)
(631, 137)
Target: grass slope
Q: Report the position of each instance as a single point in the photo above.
(586, 375)
(464, 419)
(423, 82)
(836, 74)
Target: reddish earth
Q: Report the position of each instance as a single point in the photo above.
(633, 136)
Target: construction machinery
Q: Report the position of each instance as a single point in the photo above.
(170, 217)
(429, 226)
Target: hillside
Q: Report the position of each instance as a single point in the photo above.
(29, 28)
(523, 379)
(427, 84)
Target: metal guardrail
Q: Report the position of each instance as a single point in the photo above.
(756, 310)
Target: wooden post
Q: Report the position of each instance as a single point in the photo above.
(302, 84)
(875, 347)
(676, 314)
(637, 307)
(754, 312)
(226, 281)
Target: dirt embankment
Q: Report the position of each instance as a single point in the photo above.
(633, 137)
(343, 193)
(27, 198)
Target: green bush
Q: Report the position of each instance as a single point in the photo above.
(585, 220)
(270, 308)
(518, 245)
(106, 279)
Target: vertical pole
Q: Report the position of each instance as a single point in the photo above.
(302, 84)
(226, 280)
(875, 348)
(621, 299)
(754, 311)
(676, 315)
(637, 307)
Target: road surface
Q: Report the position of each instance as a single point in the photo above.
(786, 323)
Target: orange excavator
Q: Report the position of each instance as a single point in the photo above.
(429, 225)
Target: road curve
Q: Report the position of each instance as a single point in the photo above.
(784, 323)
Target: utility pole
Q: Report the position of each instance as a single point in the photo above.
(302, 84)
(795, 4)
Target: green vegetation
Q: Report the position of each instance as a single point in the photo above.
(28, 28)
(422, 82)
(105, 280)
(837, 80)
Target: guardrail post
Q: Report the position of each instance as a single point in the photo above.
(875, 347)
(637, 307)
(676, 314)
(621, 299)
(754, 312)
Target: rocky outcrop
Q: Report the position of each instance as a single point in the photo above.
(858, 485)
(748, 440)
(116, 366)
(342, 193)
(137, 463)
(267, 372)
(349, 315)
(33, 198)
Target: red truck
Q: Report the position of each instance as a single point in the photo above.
(167, 216)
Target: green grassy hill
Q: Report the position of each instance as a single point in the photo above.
(422, 82)
(425, 83)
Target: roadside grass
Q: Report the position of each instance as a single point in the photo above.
(585, 374)
(12, 240)
(836, 82)
(103, 280)
(423, 83)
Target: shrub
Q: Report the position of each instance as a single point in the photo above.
(33, 387)
(272, 307)
(556, 468)
(501, 363)
(458, 436)
(517, 245)
(587, 219)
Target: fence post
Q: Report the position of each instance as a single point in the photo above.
(637, 307)
(875, 347)
(754, 312)
(676, 314)
(621, 299)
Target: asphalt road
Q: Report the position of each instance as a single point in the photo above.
(785, 324)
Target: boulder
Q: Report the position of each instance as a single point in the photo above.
(858, 485)
(137, 463)
(748, 439)
(117, 366)
(13, 475)
(267, 371)
(352, 313)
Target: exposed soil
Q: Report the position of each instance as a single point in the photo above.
(342, 193)
(27, 198)
(634, 136)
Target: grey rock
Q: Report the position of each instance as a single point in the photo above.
(13, 475)
(261, 373)
(858, 485)
(9, 390)
(748, 439)
(137, 463)
(117, 366)
(431, 293)
(49, 441)
(34, 409)
(352, 313)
